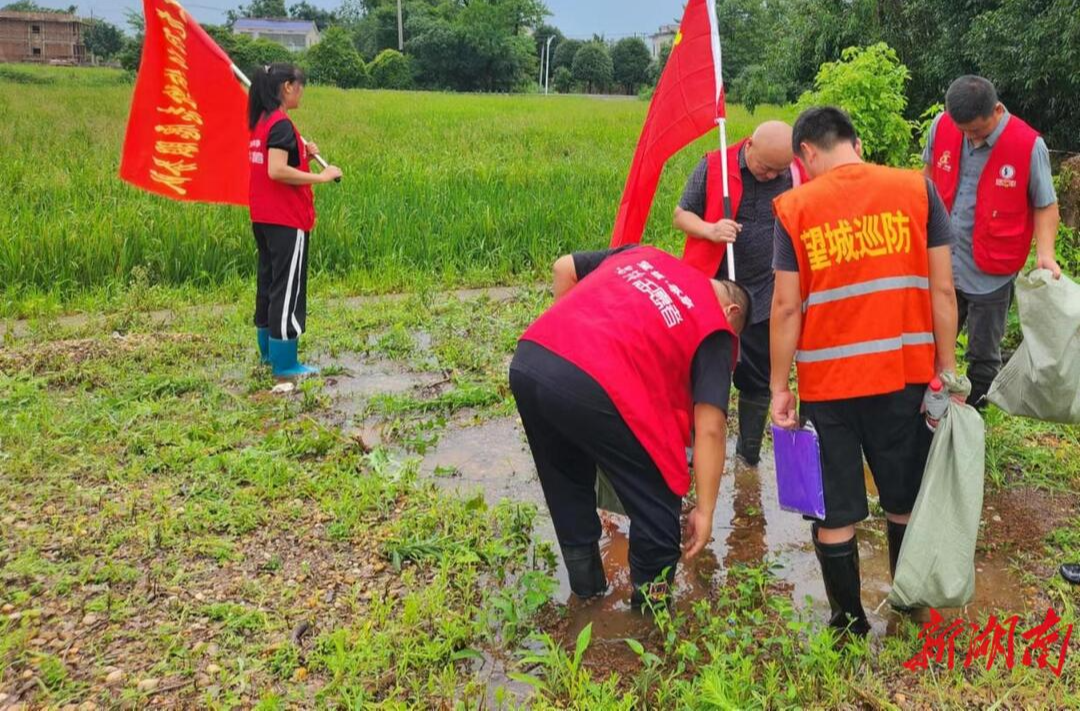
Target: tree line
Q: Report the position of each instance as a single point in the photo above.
(773, 49)
(1030, 49)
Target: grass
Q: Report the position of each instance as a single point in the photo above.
(439, 189)
(164, 516)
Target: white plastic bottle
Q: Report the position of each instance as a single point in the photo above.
(935, 403)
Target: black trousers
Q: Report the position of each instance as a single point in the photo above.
(281, 294)
(753, 370)
(891, 431)
(985, 316)
(573, 427)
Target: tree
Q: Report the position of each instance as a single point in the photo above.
(334, 60)
(131, 54)
(630, 59)
(305, 11)
(31, 6)
(1031, 50)
(391, 70)
(259, 8)
(246, 53)
(103, 39)
(868, 83)
(437, 53)
(656, 67)
(541, 36)
(564, 54)
(563, 81)
(754, 87)
(592, 66)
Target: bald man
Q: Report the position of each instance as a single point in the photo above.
(760, 168)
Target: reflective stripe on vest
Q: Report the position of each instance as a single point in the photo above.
(884, 345)
(867, 287)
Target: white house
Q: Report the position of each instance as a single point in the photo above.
(294, 35)
(665, 35)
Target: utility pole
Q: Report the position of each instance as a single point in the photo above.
(400, 29)
(541, 77)
(547, 70)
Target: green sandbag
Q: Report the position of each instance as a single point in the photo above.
(937, 559)
(1042, 379)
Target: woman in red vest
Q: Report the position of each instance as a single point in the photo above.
(282, 214)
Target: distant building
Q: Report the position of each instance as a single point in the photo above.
(294, 35)
(665, 35)
(45, 37)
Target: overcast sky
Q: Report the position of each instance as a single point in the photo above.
(576, 18)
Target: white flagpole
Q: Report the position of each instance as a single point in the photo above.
(722, 123)
(247, 83)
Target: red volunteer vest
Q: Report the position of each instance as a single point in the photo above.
(1004, 218)
(272, 202)
(700, 253)
(634, 326)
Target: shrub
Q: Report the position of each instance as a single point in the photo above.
(391, 70)
(334, 60)
(868, 83)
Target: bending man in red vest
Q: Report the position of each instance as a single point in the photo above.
(864, 305)
(993, 172)
(637, 350)
(759, 169)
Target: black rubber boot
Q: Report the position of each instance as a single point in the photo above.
(753, 411)
(895, 532)
(977, 398)
(585, 570)
(1071, 572)
(840, 570)
(658, 591)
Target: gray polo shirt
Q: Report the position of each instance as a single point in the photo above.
(969, 278)
(753, 248)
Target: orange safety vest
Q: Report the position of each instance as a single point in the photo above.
(859, 233)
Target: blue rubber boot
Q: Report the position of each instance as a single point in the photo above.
(263, 334)
(283, 360)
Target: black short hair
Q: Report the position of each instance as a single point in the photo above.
(824, 127)
(970, 97)
(740, 296)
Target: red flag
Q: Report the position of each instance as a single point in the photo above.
(187, 135)
(689, 98)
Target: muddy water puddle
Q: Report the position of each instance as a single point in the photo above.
(492, 458)
(362, 379)
(749, 527)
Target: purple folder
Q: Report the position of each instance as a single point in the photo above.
(798, 471)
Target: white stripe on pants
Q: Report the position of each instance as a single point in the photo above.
(289, 308)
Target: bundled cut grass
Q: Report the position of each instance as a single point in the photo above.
(450, 189)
